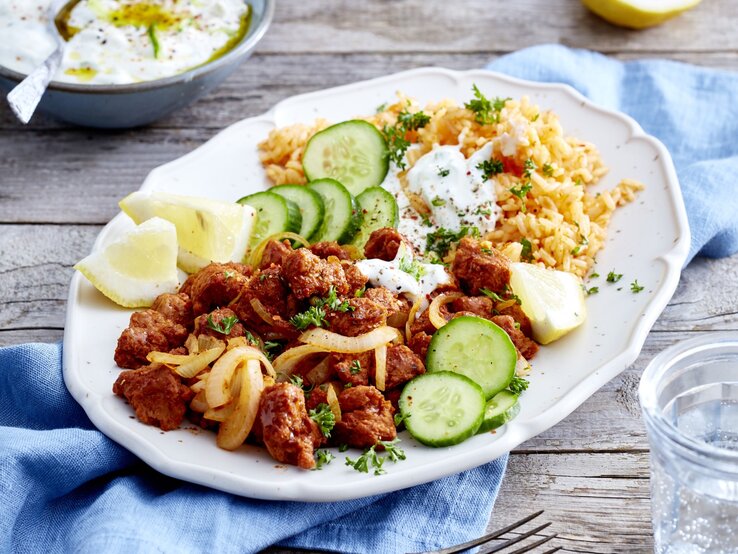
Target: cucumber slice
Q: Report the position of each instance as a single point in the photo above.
(474, 347)
(501, 408)
(379, 209)
(353, 152)
(342, 214)
(274, 214)
(309, 203)
(442, 408)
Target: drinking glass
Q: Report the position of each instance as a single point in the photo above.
(689, 399)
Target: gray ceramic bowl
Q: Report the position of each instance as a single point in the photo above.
(121, 106)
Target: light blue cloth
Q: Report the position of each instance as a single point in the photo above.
(692, 110)
(65, 487)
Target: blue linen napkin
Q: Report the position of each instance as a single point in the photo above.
(65, 487)
(692, 110)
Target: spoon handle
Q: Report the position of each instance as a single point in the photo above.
(26, 95)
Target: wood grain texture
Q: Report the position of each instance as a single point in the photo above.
(484, 26)
(597, 502)
(59, 184)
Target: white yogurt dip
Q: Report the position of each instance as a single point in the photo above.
(406, 276)
(452, 187)
(122, 41)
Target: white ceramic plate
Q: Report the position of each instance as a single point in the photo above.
(648, 240)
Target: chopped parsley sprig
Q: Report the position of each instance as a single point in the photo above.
(583, 241)
(355, 367)
(439, 242)
(269, 346)
(529, 167)
(396, 135)
(521, 191)
(151, 31)
(300, 383)
(486, 111)
(371, 458)
(324, 417)
(333, 302)
(508, 295)
(314, 315)
(413, 121)
(224, 326)
(412, 267)
(518, 385)
(323, 458)
(526, 253)
(489, 168)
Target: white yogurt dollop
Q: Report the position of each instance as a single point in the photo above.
(452, 187)
(117, 42)
(406, 276)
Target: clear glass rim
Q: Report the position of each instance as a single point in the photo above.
(648, 395)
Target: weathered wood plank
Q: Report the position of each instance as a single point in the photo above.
(480, 25)
(9, 338)
(597, 503)
(35, 268)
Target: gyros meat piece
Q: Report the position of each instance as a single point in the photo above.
(216, 285)
(274, 253)
(308, 275)
(362, 316)
(366, 418)
(289, 434)
(175, 307)
(402, 365)
(148, 331)
(527, 347)
(384, 244)
(326, 249)
(156, 394)
(270, 289)
(478, 269)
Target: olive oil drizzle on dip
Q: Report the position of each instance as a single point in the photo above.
(125, 41)
(61, 21)
(142, 14)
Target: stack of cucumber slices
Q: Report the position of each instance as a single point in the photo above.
(470, 363)
(343, 201)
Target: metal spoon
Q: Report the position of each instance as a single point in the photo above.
(26, 95)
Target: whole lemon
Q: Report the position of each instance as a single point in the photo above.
(638, 14)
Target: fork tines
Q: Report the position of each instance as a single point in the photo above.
(507, 543)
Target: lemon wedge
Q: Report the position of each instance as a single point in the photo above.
(552, 300)
(638, 14)
(207, 230)
(137, 267)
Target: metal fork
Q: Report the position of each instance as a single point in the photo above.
(507, 542)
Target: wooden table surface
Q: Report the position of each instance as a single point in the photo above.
(59, 185)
